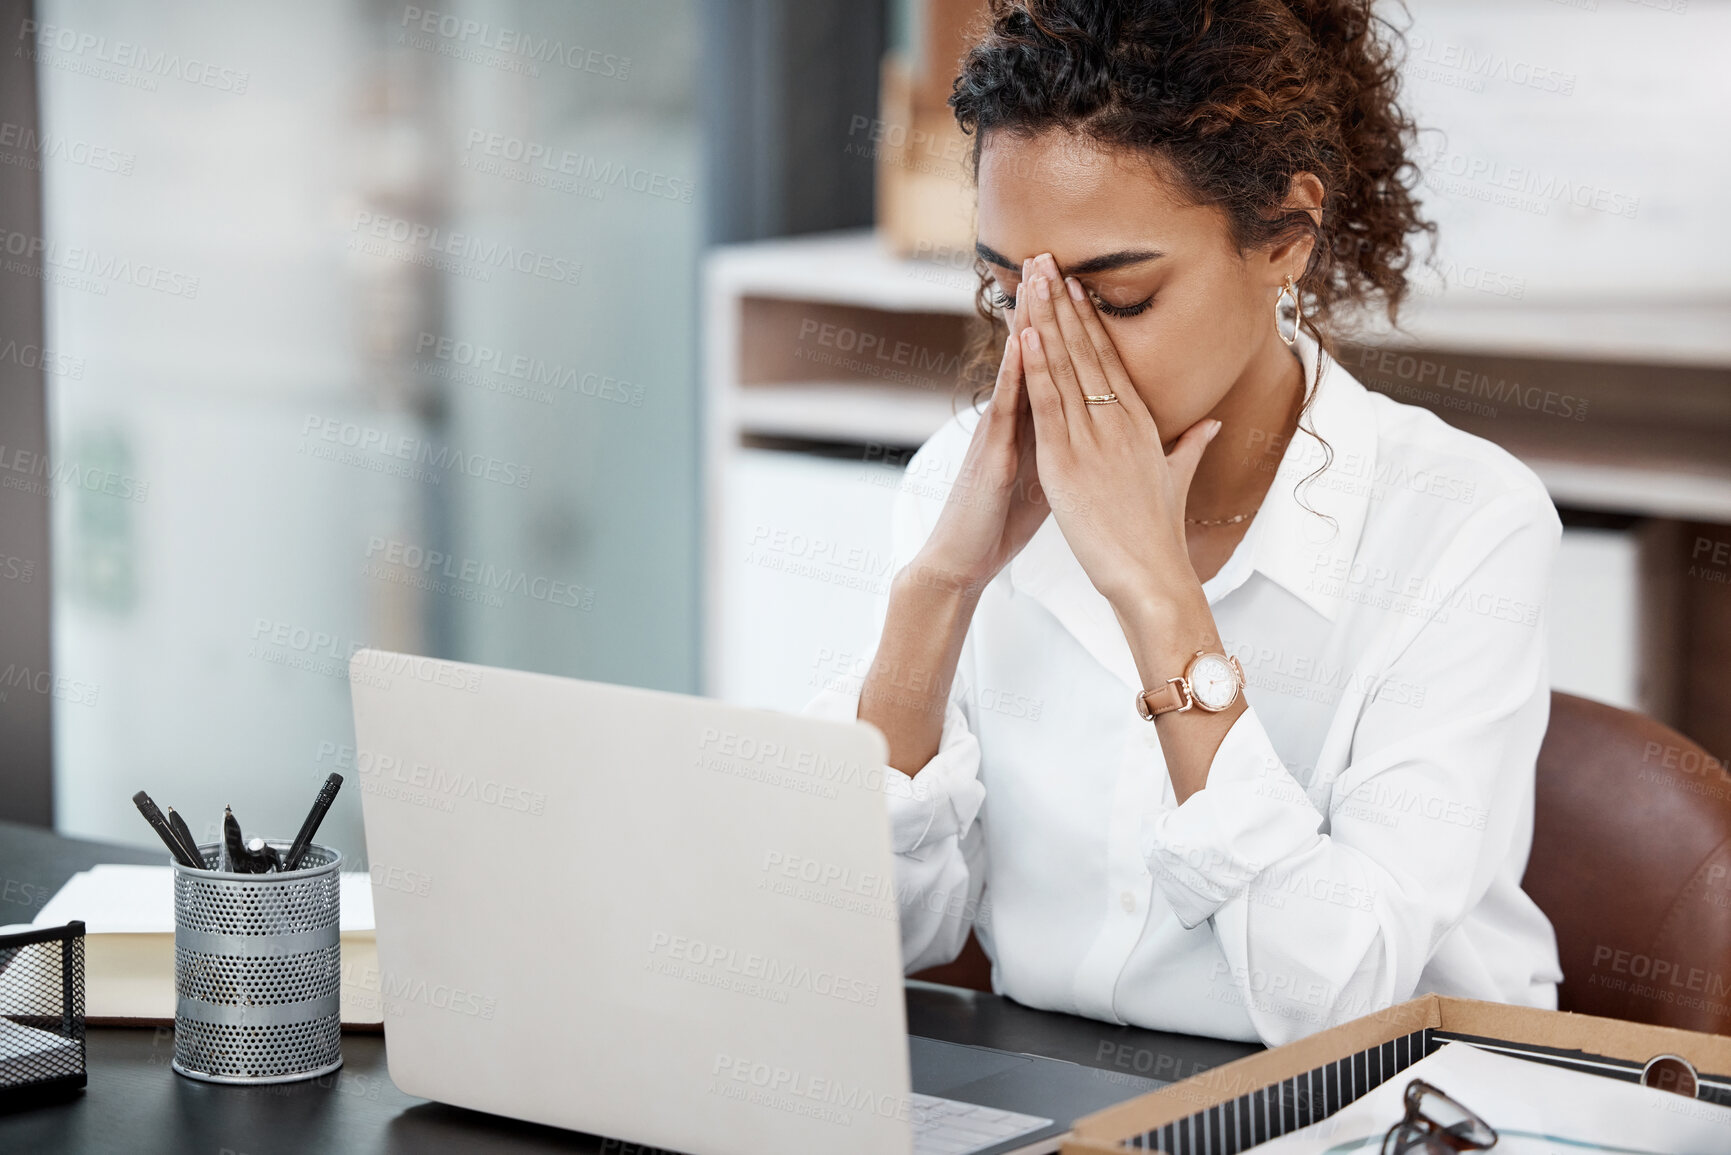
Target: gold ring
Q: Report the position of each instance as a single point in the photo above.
(1102, 399)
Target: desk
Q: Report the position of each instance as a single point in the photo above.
(136, 1105)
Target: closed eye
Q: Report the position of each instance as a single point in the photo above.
(1003, 300)
(1112, 310)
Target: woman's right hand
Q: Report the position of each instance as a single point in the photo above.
(996, 503)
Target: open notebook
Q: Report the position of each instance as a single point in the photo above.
(128, 914)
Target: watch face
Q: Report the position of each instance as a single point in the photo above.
(1212, 682)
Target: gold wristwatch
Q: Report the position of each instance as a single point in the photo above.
(1210, 682)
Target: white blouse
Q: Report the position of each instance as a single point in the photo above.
(1366, 822)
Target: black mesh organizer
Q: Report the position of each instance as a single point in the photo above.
(41, 1015)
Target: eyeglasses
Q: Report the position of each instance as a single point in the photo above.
(1436, 1125)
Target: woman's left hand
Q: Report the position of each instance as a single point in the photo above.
(1118, 495)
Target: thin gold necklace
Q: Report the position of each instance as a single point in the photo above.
(1216, 521)
(1220, 520)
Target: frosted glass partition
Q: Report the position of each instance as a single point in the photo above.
(382, 324)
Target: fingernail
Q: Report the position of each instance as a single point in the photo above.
(1043, 286)
(1048, 263)
(1032, 336)
(1213, 428)
(1075, 288)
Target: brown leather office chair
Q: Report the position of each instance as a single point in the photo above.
(972, 969)
(1631, 860)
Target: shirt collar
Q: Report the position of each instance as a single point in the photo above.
(1298, 548)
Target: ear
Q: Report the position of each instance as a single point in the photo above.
(1289, 258)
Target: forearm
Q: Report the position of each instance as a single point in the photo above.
(1164, 632)
(906, 689)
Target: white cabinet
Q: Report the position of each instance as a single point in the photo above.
(805, 550)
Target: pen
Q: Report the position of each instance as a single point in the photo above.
(178, 824)
(157, 823)
(298, 848)
(238, 860)
(263, 853)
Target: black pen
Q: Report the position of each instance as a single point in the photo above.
(298, 848)
(266, 856)
(157, 823)
(178, 824)
(239, 861)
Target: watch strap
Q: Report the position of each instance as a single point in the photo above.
(1170, 695)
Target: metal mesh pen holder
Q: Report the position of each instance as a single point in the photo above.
(258, 971)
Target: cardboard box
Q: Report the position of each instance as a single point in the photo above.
(925, 191)
(925, 184)
(947, 29)
(1231, 1108)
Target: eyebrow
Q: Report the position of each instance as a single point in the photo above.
(1101, 264)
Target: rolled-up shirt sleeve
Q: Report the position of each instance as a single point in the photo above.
(1251, 814)
(934, 832)
(1328, 900)
(940, 802)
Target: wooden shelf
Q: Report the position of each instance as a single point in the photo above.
(842, 411)
(854, 268)
(1649, 492)
(1633, 332)
(848, 268)
(1660, 400)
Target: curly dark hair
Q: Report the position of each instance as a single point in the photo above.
(1235, 96)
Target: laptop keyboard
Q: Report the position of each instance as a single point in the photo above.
(950, 1127)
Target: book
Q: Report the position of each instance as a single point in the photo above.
(128, 914)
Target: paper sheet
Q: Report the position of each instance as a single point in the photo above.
(1533, 1107)
(121, 899)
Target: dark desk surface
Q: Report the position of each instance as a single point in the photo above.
(135, 1104)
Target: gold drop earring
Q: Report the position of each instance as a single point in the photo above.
(1288, 290)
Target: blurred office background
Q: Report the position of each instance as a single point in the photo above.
(528, 333)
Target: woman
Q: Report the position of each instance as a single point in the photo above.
(1215, 681)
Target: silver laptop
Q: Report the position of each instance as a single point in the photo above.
(657, 918)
